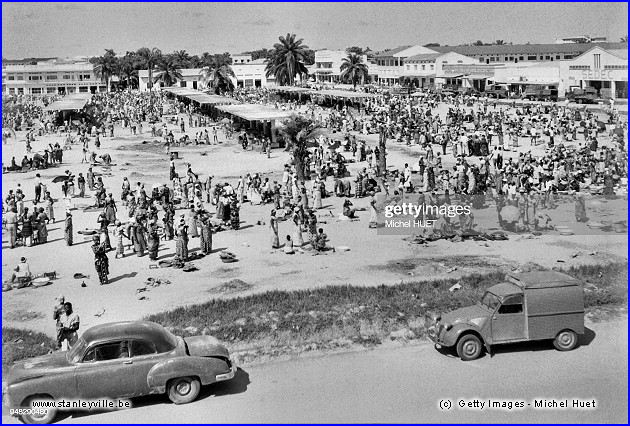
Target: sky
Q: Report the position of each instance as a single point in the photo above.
(80, 29)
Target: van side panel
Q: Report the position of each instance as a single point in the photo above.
(553, 309)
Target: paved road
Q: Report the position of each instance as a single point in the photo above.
(406, 384)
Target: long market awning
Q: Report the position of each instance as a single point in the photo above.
(200, 97)
(344, 94)
(255, 112)
(295, 89)
(73, 102)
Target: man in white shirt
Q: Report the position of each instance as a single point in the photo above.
(22, 270)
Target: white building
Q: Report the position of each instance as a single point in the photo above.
(51, 77)
(604, 70)
(391, 64)
(423, 70)
(249, 73)
(327, 66)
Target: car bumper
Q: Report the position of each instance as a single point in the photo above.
(227, 376)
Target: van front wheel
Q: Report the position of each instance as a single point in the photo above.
(469, 347)
(565, 340)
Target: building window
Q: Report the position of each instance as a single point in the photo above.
(86, 76)
(19, 77)
(557, 56)
(511, 58)
(36, 90)
(415, 67)
(579, 67)
(83, 89)
(408, 67)
(520, 58)
(547, 57)
(71, 89)
(532, 58)
(51, 90)
(568, 56)
(423, 67)
(506, 58)
(480, 60)
(615, 67)
(431, 67)
(11, 91)
(20, 90)
(491, 58)
(11, 77)
(542, 57)
(33, 77)
(460, 62)
(597, 59)
(66, 77)
(51, 77)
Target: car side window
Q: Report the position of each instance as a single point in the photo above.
(512, 305)
(107, 351)
(142, 347)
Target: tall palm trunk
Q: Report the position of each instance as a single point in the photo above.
(382, 161)
(299, 153)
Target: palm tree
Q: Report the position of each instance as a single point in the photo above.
(182, 58)
(217, 72)
(624, 39)
(353, 69)
(287, 60)
(128, 69)
(499, 42)
(149, 59)
(169, 71)
(105, 66)
(298, 130)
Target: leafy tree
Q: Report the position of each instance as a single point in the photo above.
(216, 73)
(105, 66)
(287, 59)
(478, 43)
(128, 66)
(499, 42)
(263, 53)
(297, 130)
(432, 45)
(182, 58)
(168, 70)
(149, 58)
(353, 69)
(355, 49)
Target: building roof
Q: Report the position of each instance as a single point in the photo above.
(525, 49)
(391, 52)
(425, 57)
(72, 102)
(199, 96)
(255, 112)
(620, 53)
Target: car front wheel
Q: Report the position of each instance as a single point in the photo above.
(183, 390)
(469, 347)
(37, 415)
(565, 340)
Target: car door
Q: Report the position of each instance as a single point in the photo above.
(106, 371)
(508, 321)
(144, 357)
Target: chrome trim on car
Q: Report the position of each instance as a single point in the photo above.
(227, 376)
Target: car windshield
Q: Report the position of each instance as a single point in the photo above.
(490, 301)
(76, 352)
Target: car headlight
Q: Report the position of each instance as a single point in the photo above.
(448, 326)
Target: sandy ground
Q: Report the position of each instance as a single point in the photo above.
(371, 260)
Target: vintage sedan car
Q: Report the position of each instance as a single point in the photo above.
(119, 360)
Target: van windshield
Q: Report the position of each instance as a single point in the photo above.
(490, 301)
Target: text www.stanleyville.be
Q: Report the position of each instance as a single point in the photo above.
(80, 404)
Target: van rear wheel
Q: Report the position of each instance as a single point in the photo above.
(565, 340)
(469, 347)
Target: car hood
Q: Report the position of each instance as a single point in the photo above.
(37, 367)
(205, 346)
(467, 314)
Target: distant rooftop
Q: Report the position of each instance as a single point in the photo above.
(525, 49)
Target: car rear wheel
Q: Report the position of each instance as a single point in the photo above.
(469, 347)
(39, 416)
(183, 390)
(565, 340)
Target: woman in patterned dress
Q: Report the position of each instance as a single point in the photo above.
(206, 234)
(50, 211)
(120, 233)
(110, 208)
(235, 218)
(102, 220)
(273, 224)
(298, 240)
(181, 246)
(312, 228)
(140, 242)
(192, 223)
(68, 229)
(153, 240)
(317, 194)
(101, 262)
